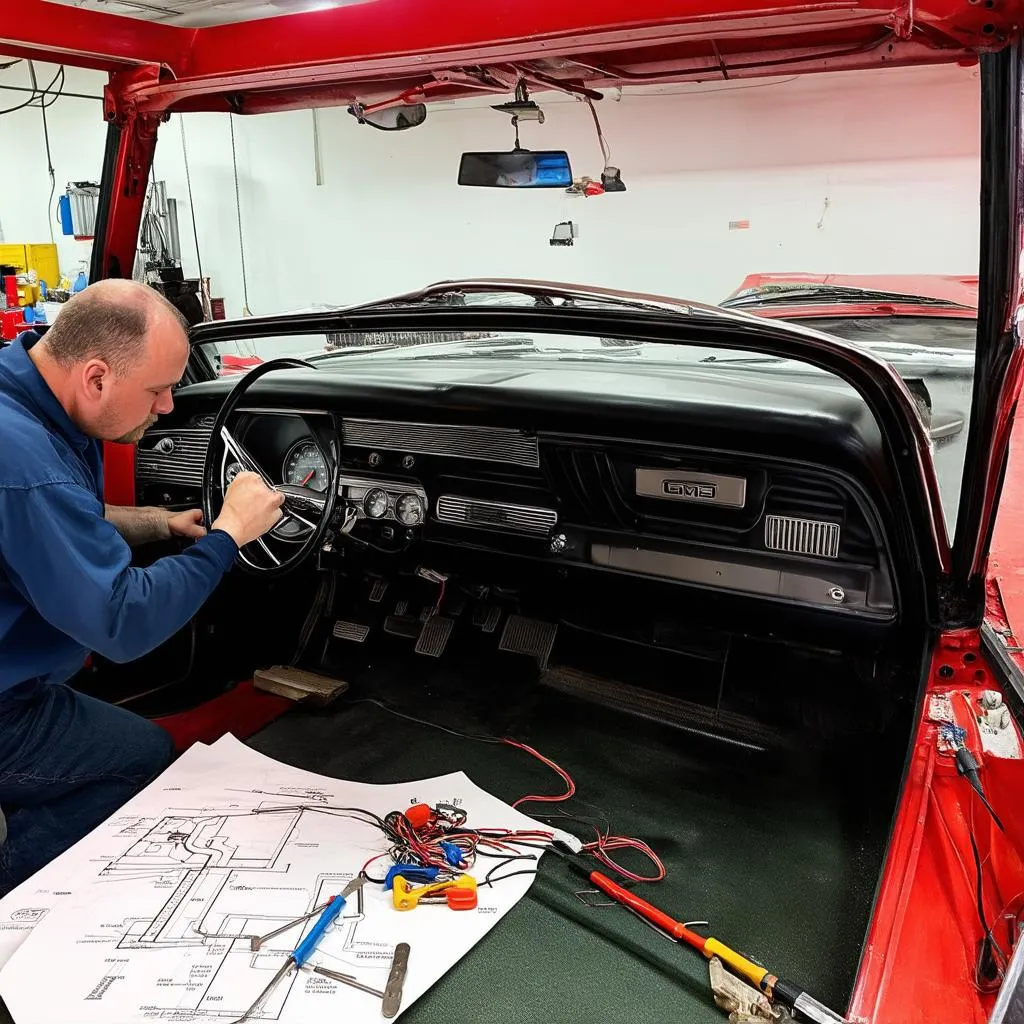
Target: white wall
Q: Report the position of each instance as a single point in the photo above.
(854, 173)
(77, 135)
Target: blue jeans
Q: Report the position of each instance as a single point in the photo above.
(67, 763)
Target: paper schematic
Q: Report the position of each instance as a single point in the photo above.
(164, 897)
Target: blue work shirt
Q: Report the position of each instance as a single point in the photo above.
(66, 585)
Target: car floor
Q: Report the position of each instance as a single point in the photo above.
(781, 854)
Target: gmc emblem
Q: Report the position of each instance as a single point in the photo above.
(690, 489)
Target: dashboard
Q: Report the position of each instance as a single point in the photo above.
(787, 506)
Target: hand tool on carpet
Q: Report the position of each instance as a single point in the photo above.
(804, 1005)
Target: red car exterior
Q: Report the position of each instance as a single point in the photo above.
(918, 959)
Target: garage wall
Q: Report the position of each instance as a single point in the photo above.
(77, 135)
(841, 173)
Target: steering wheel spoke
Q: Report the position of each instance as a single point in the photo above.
(241, 455)
(305, 513)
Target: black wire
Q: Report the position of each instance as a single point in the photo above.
(988, 807)
(49, 170)
(191, 202)
(512, 874)
(988, 940)
(422, 721)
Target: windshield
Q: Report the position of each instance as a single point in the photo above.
(714, 184)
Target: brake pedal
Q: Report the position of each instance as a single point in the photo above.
(299, 685)
(487, 617)
(531, 637)
(433, 637)
(408, 626)
(354, 631)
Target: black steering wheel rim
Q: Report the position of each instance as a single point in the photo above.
(310, 505)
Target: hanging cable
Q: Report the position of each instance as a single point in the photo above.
(606, 151)
(46, 139)
(238, 210)
(191, 203)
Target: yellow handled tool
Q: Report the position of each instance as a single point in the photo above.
(459, 893)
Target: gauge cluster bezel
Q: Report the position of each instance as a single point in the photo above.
(354, 492)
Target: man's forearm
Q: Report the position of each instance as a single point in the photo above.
(139, 525)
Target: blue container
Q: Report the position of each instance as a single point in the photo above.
(64, 211)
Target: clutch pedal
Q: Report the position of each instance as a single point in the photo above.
(299, 685)
(354, 631)
(531, 637)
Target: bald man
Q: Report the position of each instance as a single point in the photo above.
(103, 372)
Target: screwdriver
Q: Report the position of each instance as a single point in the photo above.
(305, 949)
(786, 992)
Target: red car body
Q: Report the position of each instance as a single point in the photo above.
(918, 956)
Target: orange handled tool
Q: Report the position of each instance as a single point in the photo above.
(774, 987)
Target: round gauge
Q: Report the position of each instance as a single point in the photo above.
(375, 504)
(232, 470)
(409, 510)
(304, 466)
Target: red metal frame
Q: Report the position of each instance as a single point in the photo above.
(918, 957)
(920, 953)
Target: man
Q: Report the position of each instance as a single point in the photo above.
(103, 371)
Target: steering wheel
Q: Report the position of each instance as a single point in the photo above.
(306, 513)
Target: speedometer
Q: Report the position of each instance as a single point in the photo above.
(305, 466)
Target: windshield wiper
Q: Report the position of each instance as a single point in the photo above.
(742, 360)
(835, 293)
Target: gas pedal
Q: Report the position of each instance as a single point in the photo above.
(354, 631)
(377, 592)
(434, 636)
(531, 637)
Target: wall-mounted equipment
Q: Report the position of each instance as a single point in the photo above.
(564, 233)
(77, 209)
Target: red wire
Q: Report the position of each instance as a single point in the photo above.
(604, 842)
(570, 786)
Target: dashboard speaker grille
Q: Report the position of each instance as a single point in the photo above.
(172, 456)
(488, 444)
(493, 515)
(802, 536)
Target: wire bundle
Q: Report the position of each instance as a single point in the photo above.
(507, 846)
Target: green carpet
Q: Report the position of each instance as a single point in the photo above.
(782, 857)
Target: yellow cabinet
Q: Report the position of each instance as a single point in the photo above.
(40, 257)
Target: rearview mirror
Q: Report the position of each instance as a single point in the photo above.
(392, 119)
(519, 168)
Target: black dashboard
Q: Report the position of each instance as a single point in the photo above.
(779, 494)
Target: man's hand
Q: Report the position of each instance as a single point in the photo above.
(187, 524)
(250, 509)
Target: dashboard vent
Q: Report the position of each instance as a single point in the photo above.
(172, 456)
(802, 536)
(493, 515)
(487, 444)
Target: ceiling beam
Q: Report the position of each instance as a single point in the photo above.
(60, 34)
